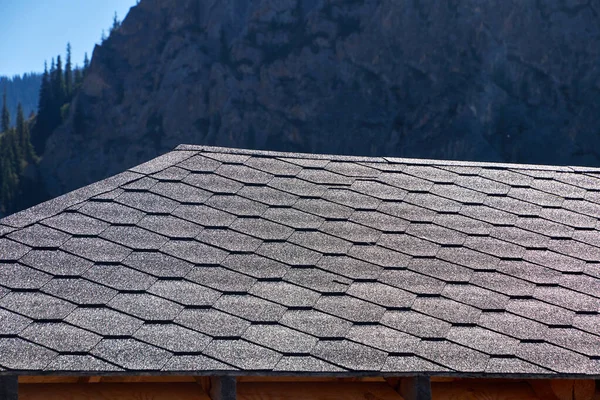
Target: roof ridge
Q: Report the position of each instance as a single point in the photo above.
(388, 160)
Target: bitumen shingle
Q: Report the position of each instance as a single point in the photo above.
(212, 259)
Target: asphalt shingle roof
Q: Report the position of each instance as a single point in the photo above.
(209, 259)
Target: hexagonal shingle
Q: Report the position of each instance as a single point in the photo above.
(36, 305)
(131, 354)
(39, 236)
(61, 337)
(104, 321)
(17, 276)
(280, 338)
(242, 354)
(172, 337)
(350, 355)
(134, 237)
(96, 249)
(213, 322)
(12, 251)
(146, 306)
(195, 252)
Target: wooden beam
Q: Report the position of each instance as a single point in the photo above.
(9, 388)
(223, 388)
(416, 388)
(112, 391)
(316, 391)
(473, 389)
(564, 389)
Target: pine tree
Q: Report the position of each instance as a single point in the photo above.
(58, 84)
(86, 63)
(5, 115)
(68, 73)
(78, 77)
(115, 25)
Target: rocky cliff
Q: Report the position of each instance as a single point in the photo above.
(510, 80)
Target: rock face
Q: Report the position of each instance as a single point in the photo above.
(494, 80)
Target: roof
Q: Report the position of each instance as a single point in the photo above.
(208, 259)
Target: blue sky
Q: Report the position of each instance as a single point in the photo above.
(32, 31)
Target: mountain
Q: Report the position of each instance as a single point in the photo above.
(24, 89)
(495, 80)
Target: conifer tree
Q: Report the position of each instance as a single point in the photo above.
(86, 63)
(116, 24)
(5, 115)
(78, 77)
(58, 84)
(68, 73)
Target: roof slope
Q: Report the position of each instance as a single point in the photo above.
(210, 259)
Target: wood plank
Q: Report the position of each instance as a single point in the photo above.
(155, 379)
(564, 389)
(112, 391)
(474, 390)
(48, 379)
(241, 379)
(316, 391)
(415, 388)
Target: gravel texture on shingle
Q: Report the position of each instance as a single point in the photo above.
(213, 259)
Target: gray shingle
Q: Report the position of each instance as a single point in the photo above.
(17, 276)
(349, 267)
(268, 195)
(555, 358)
(184, 292)
(280, 339)
(350, 355)
(350, 308)
(316, 323)
(384, 295)
(158, 264)
(61, 337)
(256, 266)
(250, 308)
(205, 216)
(96, 249)
(321, 242)
(131, 354)
(352, 199)
(79, 291)
(147, 202)
(289, 253)
(237, 205)
(416, 324)
(383, 338)
(323, 208)
(104, 321)
(12, 251)
(242, 354)
(213, 183)
(380, 221)
(229, 240)
(112, 212)
(285, 293)
(213, 322)
(39, 236)
(11, 323)
(379, 190)
(262, 229)
(76, 224)
(484, 340)
(21, 355)
(221, 279)
(172, 337)
(119, 277)
(167, 225)
(244, 174)
(195, 252)
(181, 192)
(146, 306)
(308, 263)
(453, 356)
(380, 256)
(293, 218)
(134, 237)
(36, 305)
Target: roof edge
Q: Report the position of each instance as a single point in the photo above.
(387, 160)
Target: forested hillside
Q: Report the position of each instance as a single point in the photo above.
(22, 89)
(22, 139)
